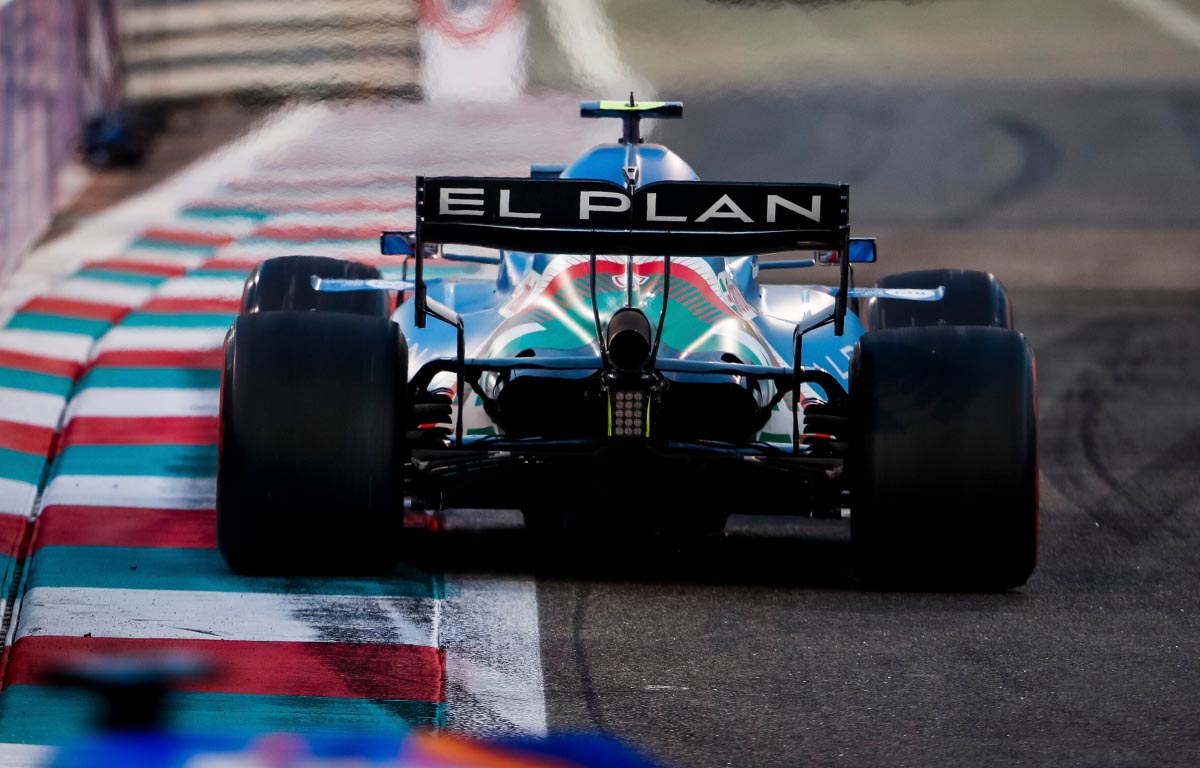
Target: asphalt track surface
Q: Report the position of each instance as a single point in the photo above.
(759, 649)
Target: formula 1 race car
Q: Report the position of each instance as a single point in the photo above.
(627, 370)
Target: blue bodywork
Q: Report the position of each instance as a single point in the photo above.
(607, 162)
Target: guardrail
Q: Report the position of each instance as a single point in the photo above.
(59, 64)
(270, 48)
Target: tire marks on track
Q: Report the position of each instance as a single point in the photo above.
(587, 684)
(1130, 368)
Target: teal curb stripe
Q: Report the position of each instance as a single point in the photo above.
(171, 245)
(113, 276)
(132, 460)
(151, 378)
(200, 212)
(37, 321)
(203, 570)
(26, 467)
(34, 381)
(33, 714)
(178, 320)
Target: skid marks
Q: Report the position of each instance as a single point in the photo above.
(1108, 370)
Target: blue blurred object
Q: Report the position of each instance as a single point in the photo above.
(282, 750)
(120, 137)
(136, 710)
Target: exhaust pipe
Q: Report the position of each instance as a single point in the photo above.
(629, 340)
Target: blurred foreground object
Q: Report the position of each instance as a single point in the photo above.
(135, 714)
(133, 688)
(281, 750)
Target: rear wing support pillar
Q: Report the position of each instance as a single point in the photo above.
(797, 350)
(420, 298)
(450, 317)
(840, 302)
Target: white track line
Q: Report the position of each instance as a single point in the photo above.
(143, 402)
(489, 628)
(72, 347)
(202, 288)
(25, 755)
(149, 338)
(16, 498)
(1170, 17)
(102, 291)
(258, 616)
(131, 491)
(38, 409)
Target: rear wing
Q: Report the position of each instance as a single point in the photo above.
(669, 218)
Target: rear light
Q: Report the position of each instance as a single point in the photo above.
(629, 413)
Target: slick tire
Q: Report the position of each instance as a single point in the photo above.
(972, 298)
(943, 465)
(284, 284)
(309, 471)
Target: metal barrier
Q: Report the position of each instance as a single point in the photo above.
(59, 65)
(270, 48)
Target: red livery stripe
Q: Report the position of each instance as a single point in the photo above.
(27, 362)
(160, 358)
(139, 267)
(339, 670)
(187, 237)
(74, 308)
(184, 304)
(26, 437)
(160, 430)
(73, 526)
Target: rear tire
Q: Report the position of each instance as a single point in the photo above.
(311, 444)
(943, 469)
(972, 298)
(284, 284)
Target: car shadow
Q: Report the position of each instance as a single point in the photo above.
(752, 551)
